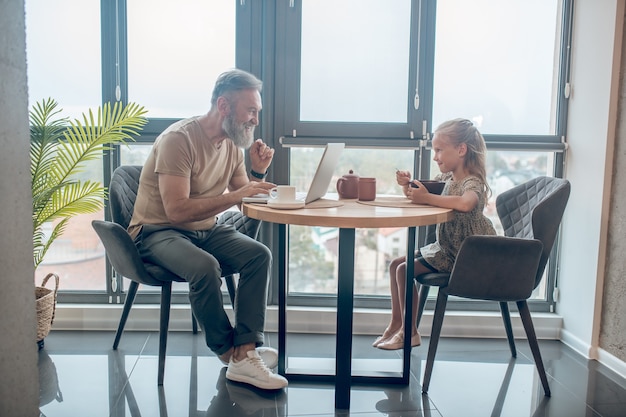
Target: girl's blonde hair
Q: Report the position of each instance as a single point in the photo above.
(460, 131)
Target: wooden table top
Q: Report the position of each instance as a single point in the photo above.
(351, 214)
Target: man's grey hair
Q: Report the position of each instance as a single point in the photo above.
(233, 81)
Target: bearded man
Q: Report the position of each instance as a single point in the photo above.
(182, 188)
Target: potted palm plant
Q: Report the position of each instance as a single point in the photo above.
(59, 149)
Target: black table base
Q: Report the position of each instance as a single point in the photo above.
(343, 377)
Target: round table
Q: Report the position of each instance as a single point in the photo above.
(352, 214)
(347, 215)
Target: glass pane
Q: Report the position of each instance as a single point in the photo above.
(496, 63)
(313, 250)
(355, 60)
(505, 170)
(77, 256)
(176, 50)
(136, 154)
(63, 52)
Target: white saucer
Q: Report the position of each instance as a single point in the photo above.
(292, 205)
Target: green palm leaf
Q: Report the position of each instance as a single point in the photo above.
(42, 242)
(59, 149)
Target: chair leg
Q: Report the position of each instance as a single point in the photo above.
(524, 313)
(423, 295)
(130, 298)
(440, 310)
(166, 300)
(230, 285)
(506, 317)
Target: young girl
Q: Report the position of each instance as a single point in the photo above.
(459, 150)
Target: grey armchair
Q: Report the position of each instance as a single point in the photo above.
(504, 268)
(124, 256)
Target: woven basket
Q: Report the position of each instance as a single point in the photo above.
(46, 306)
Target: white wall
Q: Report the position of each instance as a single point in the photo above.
(596, 56)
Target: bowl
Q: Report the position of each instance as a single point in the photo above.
(433, 187)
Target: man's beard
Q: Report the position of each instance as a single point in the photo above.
(238, 132)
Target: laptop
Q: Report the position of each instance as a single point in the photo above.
(321, 179)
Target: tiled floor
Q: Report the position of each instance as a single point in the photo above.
(82, 376)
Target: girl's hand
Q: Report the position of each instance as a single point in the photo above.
(417, 195)
(403, 177)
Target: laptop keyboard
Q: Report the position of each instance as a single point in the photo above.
(262, 198)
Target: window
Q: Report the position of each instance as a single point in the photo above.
(63, 52)
(64, 64)
(347, 68)
(175, 52)
(506, 169)
(383, 74)
(492, 68)
(313, 250)
(379, 75)
(136, 154)
(339, 40)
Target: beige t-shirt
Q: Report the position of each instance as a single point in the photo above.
(184, 150)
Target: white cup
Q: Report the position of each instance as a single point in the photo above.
(283, 194)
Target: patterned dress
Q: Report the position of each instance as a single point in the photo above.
(442, 253)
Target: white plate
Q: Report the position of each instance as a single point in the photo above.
(285, 206)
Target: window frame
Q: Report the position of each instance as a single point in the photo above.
(417, 133)
(289, 24)
(267, 44)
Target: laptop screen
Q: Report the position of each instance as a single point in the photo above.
(324, 173)
(321, 179)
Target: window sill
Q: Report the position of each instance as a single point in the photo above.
(145, 317)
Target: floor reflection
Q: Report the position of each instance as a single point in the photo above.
(229, 399)
(80, 375)
(49, 389)
(236, 400)
(401, 404)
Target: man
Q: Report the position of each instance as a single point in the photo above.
(182, 188)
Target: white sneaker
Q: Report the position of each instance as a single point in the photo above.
(253, 371)
(269, 356)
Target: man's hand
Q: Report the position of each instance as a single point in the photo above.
(254, 188)
(260, 156)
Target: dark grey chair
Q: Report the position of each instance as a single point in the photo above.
(124, 257)
(504, 268)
